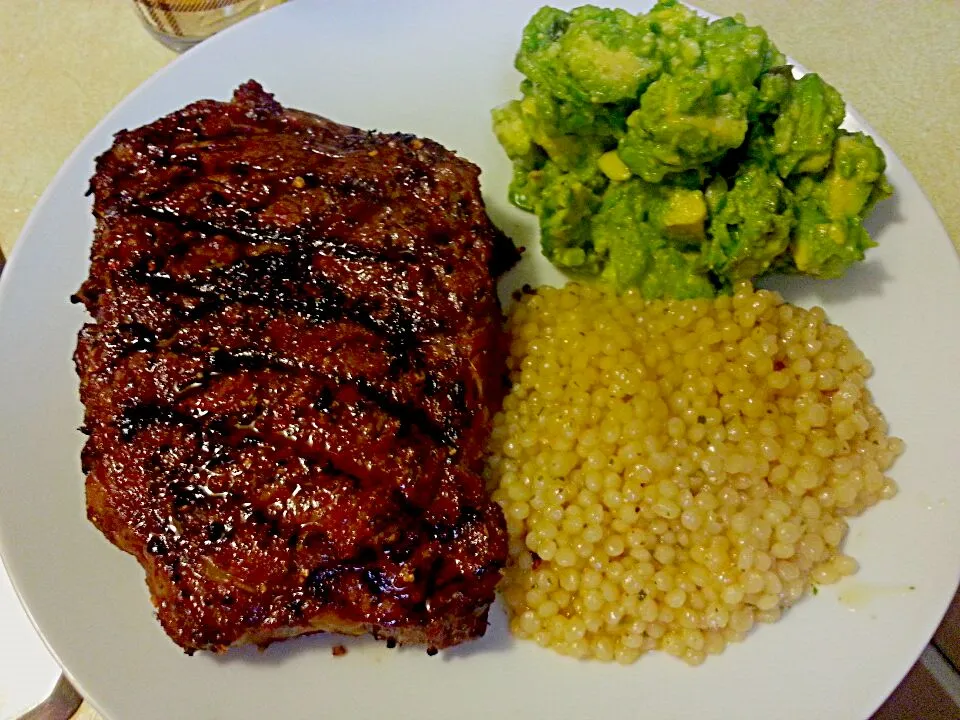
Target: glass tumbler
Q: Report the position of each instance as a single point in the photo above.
(181, 24)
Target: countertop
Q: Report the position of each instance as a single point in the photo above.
(63, 65)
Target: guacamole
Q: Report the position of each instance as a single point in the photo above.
(669, 153)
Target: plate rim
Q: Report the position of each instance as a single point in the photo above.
(87, 149)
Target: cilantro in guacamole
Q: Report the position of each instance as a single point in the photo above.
(677, 155)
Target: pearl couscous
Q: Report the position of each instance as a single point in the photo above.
(674, 472)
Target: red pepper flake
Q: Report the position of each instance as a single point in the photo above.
(339, 651)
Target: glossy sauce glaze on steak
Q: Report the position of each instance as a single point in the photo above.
(290, 377)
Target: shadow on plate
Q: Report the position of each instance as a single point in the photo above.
(884, 214)
(865, 279)
(517, 225)
(323, 645)
(497, 639)
(319, 644)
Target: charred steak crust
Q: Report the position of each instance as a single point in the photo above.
(296, 352)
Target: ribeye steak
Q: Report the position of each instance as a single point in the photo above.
(295, 352)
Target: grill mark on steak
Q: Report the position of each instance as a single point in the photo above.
(318, 288)
(204, 186)
(240, 392)
(345, 270)
(263, 287)
(191, 479)
(264, 502)
(334, 246)
(266, 281)
(439, 416)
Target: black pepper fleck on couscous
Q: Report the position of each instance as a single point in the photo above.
(674, 472)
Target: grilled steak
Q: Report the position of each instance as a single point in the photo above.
(289, 380)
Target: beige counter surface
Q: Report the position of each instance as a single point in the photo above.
(65, 63)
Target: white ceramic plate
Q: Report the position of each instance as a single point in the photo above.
(435, 68)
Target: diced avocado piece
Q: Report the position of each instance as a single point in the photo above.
(511, 131)
(750, 225)
(804, 132)
(613, 167)
(684, 215)
(681, 125)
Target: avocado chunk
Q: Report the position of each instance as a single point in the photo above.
(678, 155)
